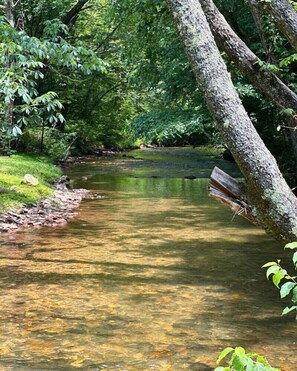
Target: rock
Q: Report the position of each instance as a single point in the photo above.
(144, 145)
(3, 190)
(190, 177)
(63, 182)
(30, 179)
(13, 188)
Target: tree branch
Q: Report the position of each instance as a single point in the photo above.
(108, 36)
(247, 62)
(70, 17)
(284, 15)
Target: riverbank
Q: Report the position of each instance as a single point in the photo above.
(51, 211)
(13, 192)
(50, 202)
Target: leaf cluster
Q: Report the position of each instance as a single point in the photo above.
(242, 361)
(286, 283)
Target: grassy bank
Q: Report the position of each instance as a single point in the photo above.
(12, 171)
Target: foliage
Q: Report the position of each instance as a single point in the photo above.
(172, 127)
(240, 361)
(52, 142)
(279, 275)
(23, 63)
(12, 171)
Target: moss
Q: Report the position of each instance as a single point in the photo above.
(12, 171)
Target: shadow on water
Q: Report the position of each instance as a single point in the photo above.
(153, 276)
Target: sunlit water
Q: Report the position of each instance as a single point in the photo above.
(153, 275)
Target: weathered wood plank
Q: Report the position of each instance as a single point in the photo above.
(226, 183)
(226, 190)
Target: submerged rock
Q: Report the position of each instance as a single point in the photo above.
(190, 177)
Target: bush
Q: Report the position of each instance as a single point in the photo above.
(56, 145)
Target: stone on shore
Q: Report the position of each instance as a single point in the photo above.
(30, 179)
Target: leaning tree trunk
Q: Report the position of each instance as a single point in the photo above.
(274, 203)
(285, 17)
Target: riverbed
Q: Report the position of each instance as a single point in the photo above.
(151, 274)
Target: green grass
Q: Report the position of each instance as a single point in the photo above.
(12, 171)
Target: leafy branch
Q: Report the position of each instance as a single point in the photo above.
(279, 274)
(240, 361)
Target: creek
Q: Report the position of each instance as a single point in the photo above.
(151, 274)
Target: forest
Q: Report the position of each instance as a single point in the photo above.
(83, 78)
(77, 77)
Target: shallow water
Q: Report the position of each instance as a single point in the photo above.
(150, 275)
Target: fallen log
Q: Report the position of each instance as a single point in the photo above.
(226, 190)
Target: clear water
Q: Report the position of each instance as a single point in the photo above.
(151, 275)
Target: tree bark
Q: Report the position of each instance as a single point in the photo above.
(274, 203)
(284, 15)
(10, 16)
(247, 62)
(10, 7)
(70, 17)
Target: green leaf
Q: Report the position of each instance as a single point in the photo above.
(249, 365)
(224, 353)
(16, 131)
(288, 310)
(286, 289)
(239, 351)
(238, 362)
(262, 360)
(291, 245)
(278, 276)
(295, 258)
(272, 270)
(269, 264)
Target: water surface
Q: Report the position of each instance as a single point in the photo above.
(150, 275)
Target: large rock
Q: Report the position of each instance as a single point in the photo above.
(30, 179)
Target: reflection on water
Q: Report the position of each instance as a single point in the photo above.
(154, 276)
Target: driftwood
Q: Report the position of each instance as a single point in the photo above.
(226, 190)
